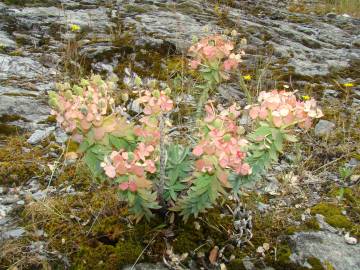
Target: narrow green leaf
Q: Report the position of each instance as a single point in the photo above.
(118, 143)
(278, 140)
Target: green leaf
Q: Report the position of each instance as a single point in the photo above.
(173, 195)
(202, 195)
(205, 70)
(208, 76)
(121, 179)
(216, 76)
(142, 203)
(261, 131)
(214, 65)
(341, 193)
(264, 124)
(177, 168)
(118, 143)
(278, 140)
(202, 86)
(257, 153)
(273, 154)
(99, 150)
(84, 146)
(93, 163)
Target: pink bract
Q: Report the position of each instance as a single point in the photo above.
(128, 186)
(214, 51)
(221, 143)
(281, 108)
(83, 111)
(198, 150)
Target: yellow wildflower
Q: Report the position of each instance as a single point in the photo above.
(348, 84)
(305, 97)
(247, 77)
(74, 28)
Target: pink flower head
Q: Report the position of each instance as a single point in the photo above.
(150, 166)
(230, 64)
(156, 102)
(143, 151)
(194, 64)
(210, 114)
(281, 108)
(221, 144)
(166, 104)
(109, 170)
(209, 52)
(244, 169)
(131, 186)
(214, 51)
(254, 112)
(81, 108)
(203, 166)
(198, 150)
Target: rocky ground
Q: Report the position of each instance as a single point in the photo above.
(297, 205)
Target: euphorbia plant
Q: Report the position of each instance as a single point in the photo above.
(214, 59)
(276, 115)
(221, 150)
(147, 170)
(113, 148)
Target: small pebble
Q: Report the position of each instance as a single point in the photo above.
(350, 240)
(21, 202)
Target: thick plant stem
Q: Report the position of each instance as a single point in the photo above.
(203, 98)
(161, 184)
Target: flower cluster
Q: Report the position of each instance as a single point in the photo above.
(155, 103)
(133, 165)
(221, 146)
(214, 52)
(82, 107)
(282, 109)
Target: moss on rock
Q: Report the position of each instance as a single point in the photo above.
(351, 204)
(332, 214)
(315, 263)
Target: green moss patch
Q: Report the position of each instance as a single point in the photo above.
(78, 175)
(107, 256)
(93, 229)
(332, 214)
(20, 161)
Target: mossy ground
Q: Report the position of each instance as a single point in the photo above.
(20, 161)
(91, 229)
(342, 213)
